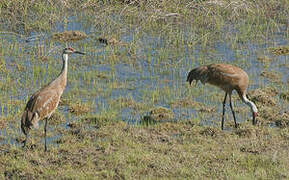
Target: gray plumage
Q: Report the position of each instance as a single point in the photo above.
(44, 102)
(228, 78)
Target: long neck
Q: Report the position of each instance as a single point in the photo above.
(250, 104)
(65, 64)
(61, 79)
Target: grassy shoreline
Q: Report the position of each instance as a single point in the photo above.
(204, 15)
(98, 130)
(166, 150)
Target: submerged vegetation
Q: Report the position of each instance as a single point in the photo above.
(127, 111)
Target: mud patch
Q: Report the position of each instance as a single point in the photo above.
(78, 108)
(73, 125)
(67, 36)
(269, 111)
(269, 115)
(282, 50)
(156, 115)
(244, 132)
(272, 76)
(264, 97)
(3, 122)
(184, 103)
(250, 150)
(109, 41)
(204, 109)
(264, 59)
(56, 118)
(161, 113)
(282, 120)
(210, 132)
(284, 95)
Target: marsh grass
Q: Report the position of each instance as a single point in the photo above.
(140, 62)
(165, 150)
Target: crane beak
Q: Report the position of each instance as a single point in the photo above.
(78, 52)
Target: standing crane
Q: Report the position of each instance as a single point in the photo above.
(44, 102)
(228, 78)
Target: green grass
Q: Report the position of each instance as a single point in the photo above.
(157, 43)
(166, 150)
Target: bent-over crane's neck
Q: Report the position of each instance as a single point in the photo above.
(250, 104)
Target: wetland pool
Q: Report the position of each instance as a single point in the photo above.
(147, 68)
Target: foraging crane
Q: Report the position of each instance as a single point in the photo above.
(228, 78)
(44, 102)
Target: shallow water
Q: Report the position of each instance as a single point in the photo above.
(150, 70)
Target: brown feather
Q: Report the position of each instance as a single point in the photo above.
(224, 76)
(228, 78)
(43, 103)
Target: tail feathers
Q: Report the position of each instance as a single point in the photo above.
(199, 73)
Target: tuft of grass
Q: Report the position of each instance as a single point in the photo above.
(282, 50)
(102, 119)
(67, 36)
(272, 76)
(285, 95)
(78, 108)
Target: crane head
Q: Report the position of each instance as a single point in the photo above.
(26, 121)
(70, 50)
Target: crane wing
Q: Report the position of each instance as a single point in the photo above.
(43, 102)
(225, 70)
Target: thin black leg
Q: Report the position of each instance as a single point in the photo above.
(26, 140)
(254, 119)
(224, 104)
(45, 129)
(233, 112)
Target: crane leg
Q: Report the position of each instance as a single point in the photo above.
(233, 112)
(45, 130)
(26, 140)
(254, 120)
(224, 104)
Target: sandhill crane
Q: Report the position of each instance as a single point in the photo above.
(228, 78)
(44, 102)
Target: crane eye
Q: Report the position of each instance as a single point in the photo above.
(71, 49)
(68, 49)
